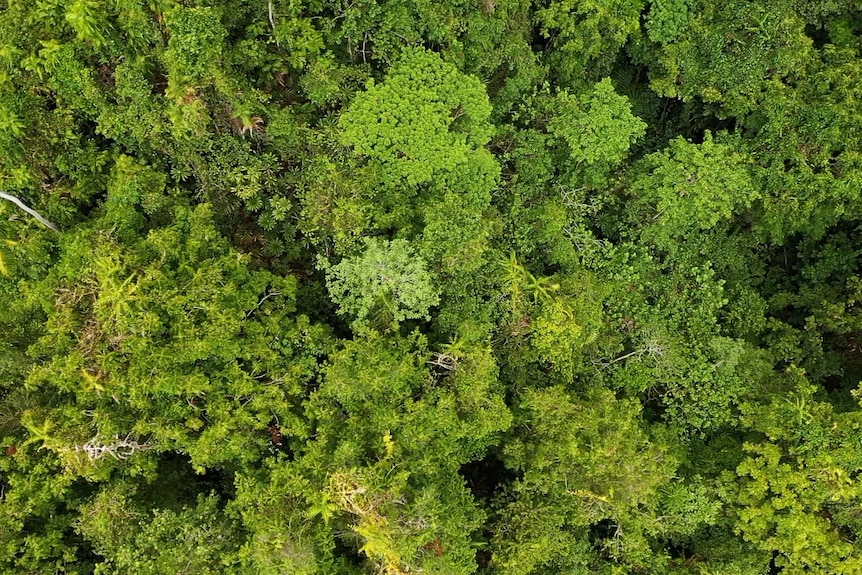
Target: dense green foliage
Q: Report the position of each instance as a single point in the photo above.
(505, 287)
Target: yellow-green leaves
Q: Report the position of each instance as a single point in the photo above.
(196, 44)
(598, 127)
(424, 118)
(667, 20)
(88, 20)
(10, 123)
(692, 187)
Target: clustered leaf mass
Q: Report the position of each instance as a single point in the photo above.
(394, 287)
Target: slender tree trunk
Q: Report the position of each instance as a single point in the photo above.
(29, 210)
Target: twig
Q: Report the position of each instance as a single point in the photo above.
(260, 303)
(29, 210)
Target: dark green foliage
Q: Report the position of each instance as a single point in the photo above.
(585, 37)
(453, 287)
(192, 540)
(585, 464)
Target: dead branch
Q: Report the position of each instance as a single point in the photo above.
(29, 210)
(119, 448)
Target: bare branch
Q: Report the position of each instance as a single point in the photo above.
(29, 210)
(444, 361)
(260, 303)
(119, 448)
